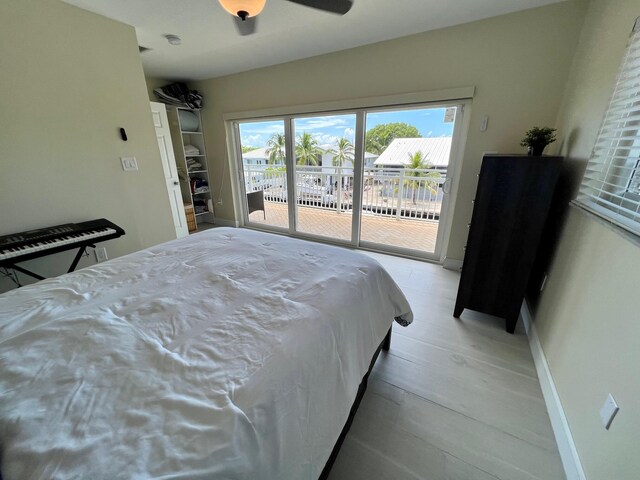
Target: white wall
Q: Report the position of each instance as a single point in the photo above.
(587, 317)
(70, 79)
(518, 62)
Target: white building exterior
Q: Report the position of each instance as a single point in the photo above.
(260, 156)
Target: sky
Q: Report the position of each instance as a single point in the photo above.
(329, 128)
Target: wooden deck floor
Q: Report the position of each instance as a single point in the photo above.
(413, 234)
(452, 399)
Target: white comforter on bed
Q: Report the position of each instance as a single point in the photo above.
(230, 354)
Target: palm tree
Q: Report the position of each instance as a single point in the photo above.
(307, 150)
(344, 151)
(276, 148)
(418, 162)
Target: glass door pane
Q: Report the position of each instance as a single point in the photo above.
(265, 172)
(324, 159)
(407, 156)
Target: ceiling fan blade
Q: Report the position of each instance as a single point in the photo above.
(246, 27)
(333, 6)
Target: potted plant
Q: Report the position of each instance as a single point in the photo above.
(537, 139)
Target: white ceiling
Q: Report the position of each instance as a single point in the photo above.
(286, 31)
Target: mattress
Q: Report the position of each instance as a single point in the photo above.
(230, 354)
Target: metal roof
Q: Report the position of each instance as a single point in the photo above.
(257, 154)
(434, 149)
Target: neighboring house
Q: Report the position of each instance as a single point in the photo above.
(434, 150)
(259, 156)
(326, 161)
(397, 155)
(256, 179)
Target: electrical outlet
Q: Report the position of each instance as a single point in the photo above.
(129, 163)
(101, 254)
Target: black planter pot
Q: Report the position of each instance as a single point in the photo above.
(536, 150)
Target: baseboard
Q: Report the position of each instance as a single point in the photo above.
(452, 264)
(564, 439)
(223, 222)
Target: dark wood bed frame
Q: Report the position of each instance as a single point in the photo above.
(385, 345)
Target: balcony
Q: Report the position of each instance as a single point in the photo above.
(400, 207)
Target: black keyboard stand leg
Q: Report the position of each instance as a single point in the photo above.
(26, 272)
(77, 258)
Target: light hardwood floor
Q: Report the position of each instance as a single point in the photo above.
(452, 399)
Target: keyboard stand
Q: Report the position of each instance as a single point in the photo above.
(81, 251)
(20, 247)
(25, 271)
(78, 256)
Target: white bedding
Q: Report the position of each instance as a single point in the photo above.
(229, 354)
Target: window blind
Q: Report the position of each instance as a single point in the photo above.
(611, 183)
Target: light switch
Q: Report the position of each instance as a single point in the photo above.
(129, 163)
(484, 124)
(101, 254)
(608, 411)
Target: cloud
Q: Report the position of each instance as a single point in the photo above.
(327, 139)
(319, 123)
(257, 134)
(261, 128)
(252, 140)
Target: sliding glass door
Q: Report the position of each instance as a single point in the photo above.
(324, 160)
(373, 178)
(264, 173)
(407, 166)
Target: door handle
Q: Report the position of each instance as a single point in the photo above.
(176, 183)
(446, 186)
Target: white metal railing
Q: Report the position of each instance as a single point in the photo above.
(403, 193)
(396, 192)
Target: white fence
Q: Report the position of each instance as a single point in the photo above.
(401, 193)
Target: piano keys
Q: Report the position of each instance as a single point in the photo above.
(19, 247)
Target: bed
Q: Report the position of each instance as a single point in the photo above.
(230, 354)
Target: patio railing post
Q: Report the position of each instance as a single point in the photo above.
(339, 190)
(319, 187)
(400, 194)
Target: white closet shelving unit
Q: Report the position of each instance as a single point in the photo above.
(193, 168)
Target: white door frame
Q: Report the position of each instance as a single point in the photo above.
(461, 97)
(460, 130)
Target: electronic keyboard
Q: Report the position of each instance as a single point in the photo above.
(18, 247)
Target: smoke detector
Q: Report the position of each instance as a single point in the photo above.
(173, 39)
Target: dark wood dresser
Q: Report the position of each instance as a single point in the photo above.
(509, 213)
